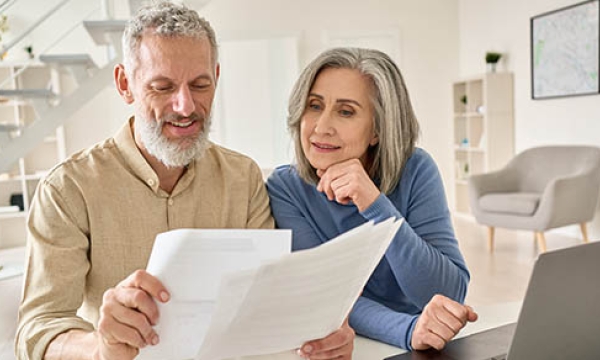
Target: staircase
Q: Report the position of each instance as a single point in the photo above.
(53, 108)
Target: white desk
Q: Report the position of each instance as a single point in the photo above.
(364, 349)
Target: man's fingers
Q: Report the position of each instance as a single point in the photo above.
(338, 339)
(114, 332)
(129, 315)
(137, 299)
(344, 352)
(150, 284)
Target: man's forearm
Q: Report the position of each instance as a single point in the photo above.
(73, 344)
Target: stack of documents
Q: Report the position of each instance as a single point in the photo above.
(271, 303)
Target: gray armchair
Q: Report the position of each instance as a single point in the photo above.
(540, 189)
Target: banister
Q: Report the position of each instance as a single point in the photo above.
(16, 40)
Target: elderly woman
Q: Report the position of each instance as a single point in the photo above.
(354, 132)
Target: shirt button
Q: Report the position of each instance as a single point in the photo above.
(150, 182)
(171, 202)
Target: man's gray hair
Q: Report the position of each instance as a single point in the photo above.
(394, 120)
(166, 19)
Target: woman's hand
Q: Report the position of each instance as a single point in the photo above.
(337, 345)
(348, 181)
(441, 320)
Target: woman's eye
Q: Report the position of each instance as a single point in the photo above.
(346, 113)
(314, 106)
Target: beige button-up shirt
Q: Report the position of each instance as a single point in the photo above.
(94, 218)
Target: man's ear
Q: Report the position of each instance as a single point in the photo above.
(217, 73)
(122, 83)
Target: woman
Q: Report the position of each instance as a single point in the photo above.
(354, 132)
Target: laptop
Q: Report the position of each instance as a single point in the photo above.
(559, 319)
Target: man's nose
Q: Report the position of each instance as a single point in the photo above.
(183, 102)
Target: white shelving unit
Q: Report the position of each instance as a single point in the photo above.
(23, 178)
(483, 129)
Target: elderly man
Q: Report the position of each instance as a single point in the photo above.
(94, 218)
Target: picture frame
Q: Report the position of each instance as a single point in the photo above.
(565, 58)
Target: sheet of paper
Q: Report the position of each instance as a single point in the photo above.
(298, 297)
(191, 262)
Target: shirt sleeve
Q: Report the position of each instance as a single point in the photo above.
(424, 255)
(259, 211)
(56, 268)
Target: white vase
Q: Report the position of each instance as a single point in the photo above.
(491, 67)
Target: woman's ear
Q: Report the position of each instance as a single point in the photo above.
(122, 83)
(374, 140)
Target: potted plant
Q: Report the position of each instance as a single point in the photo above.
(492, 58)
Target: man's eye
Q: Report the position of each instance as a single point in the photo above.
(162, 88)
(200, 86)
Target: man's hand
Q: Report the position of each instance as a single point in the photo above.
(440, 321)
(127, 315)
(337, 345)
(348, 181)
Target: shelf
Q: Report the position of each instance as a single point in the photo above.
(13, 215)
(469, 149)
(30, 177)
(460, 115)
(461, 182)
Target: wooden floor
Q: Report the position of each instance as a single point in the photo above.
(501, 276)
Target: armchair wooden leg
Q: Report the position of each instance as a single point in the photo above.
(491, 238)
(584, 232)
(541, 240)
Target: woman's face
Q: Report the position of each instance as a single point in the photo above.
(337, 123)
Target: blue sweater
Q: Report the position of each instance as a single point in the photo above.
(423, 259)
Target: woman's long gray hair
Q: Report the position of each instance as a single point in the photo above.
(394, 120)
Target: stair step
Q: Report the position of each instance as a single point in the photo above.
(9, 127)
(100, 30)
(27, 93)
(68, 59)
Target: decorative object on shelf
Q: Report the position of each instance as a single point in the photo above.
(17, 200)
(491, 59)
(464, 143)
(565, 45)
(463, 100)
(29, 50)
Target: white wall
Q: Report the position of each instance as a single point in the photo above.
(503, 26)
(427, 45)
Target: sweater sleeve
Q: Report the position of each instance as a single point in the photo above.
(424, 256)
(376, 321)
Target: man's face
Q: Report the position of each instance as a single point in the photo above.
(172, 87)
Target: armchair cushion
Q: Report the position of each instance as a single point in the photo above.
(522, 203)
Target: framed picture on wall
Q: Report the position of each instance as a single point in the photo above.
(564, 51)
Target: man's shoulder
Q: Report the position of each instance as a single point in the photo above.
(226, 157)
(85, 162)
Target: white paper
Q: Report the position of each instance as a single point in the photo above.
(257, 308)
(190, 263)
(298, 297)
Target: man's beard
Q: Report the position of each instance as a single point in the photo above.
(173, 152)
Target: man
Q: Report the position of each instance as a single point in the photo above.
(95, 216)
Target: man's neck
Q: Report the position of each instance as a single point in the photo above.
(167, 176)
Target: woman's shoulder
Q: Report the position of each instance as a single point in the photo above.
(420, 160)
(284, 176)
